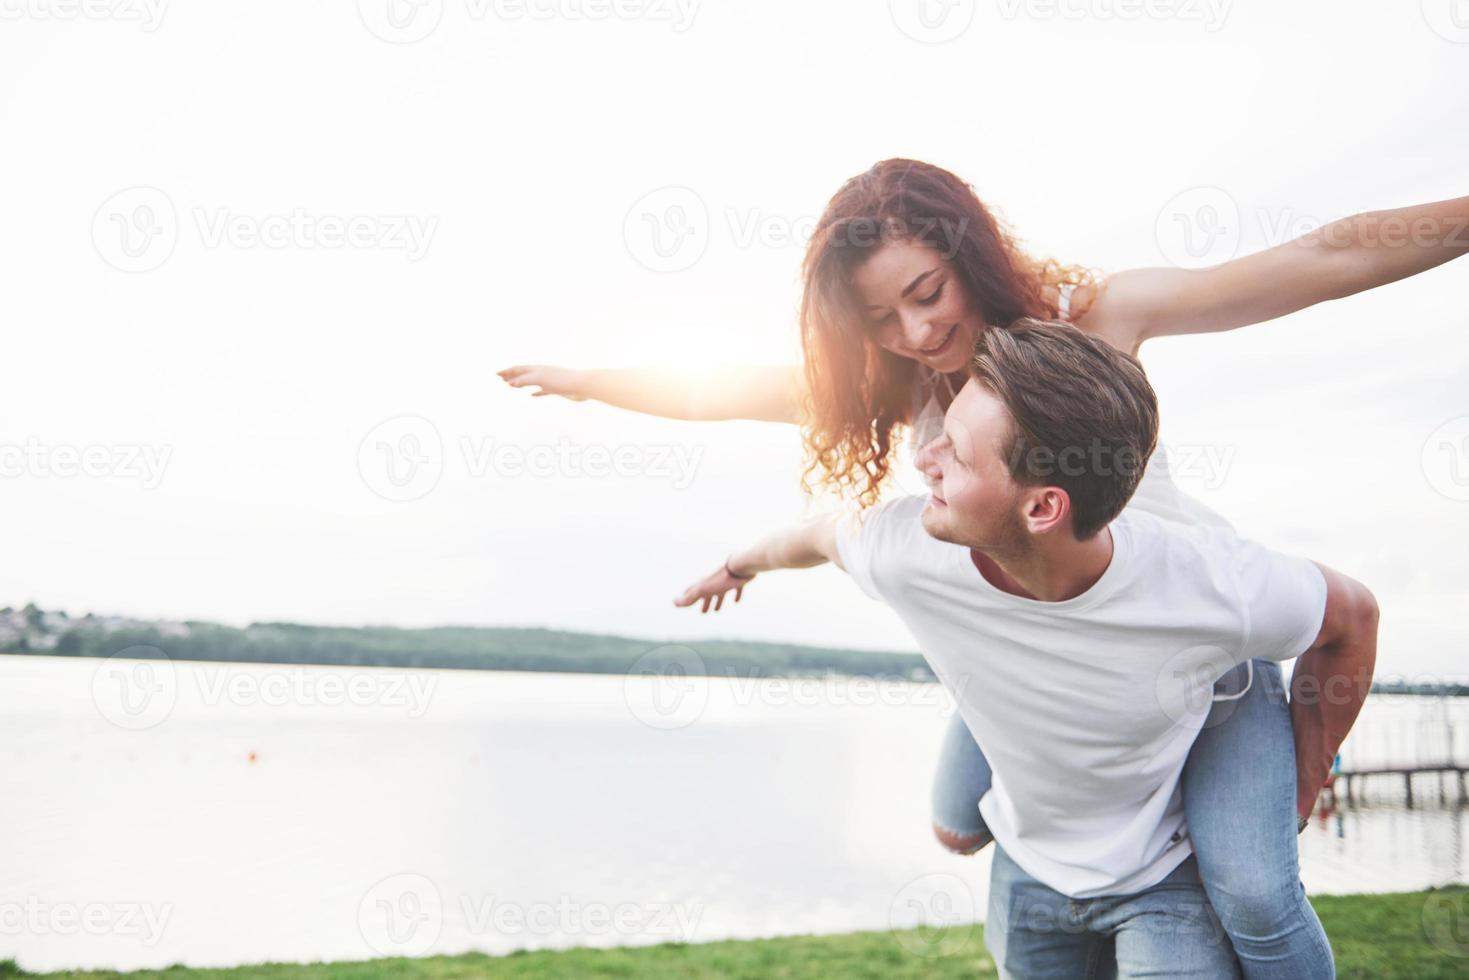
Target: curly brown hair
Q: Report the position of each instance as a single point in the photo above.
(857, 394)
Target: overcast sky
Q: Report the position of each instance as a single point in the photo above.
(257, 252)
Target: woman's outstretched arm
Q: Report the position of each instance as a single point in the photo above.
(804, 546)
(1339, 259)
(762, 394)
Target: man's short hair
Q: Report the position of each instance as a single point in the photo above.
(1083, 415)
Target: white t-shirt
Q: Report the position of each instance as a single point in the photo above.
(1086, 709)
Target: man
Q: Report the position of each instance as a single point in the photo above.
(1082, 643)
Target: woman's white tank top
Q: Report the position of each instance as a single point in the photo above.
(1156, 492)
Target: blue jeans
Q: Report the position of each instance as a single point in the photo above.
(1239, 797)
(1168, 930)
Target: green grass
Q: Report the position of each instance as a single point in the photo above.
(1419, 935)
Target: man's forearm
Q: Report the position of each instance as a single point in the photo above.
(1327, 691)
(803, 546)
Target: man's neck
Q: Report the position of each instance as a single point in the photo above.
(1050, 571)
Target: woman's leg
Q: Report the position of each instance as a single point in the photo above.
(1239, 797)
(962, 777)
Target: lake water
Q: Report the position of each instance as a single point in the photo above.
(221, 814)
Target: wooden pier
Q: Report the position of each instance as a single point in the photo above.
(1343, 782)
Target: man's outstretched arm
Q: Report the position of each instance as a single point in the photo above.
(1331, 681)
(803, 546)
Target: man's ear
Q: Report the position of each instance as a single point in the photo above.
(1045, 509)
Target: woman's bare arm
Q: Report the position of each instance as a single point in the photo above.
(763, 394)
(1340, 259)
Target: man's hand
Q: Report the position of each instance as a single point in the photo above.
(712, 588)
(810, 544)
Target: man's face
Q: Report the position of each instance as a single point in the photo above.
(975, 501)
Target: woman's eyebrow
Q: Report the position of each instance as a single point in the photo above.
(910, 287)
(914, 284)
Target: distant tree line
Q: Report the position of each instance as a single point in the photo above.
(485, 648)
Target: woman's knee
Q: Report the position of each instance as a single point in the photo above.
(1253, 904)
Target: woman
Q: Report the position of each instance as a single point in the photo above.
(905, 267)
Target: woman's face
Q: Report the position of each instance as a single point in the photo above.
(917, 307)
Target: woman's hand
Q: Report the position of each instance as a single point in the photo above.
(550, 380)
(712, 588)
